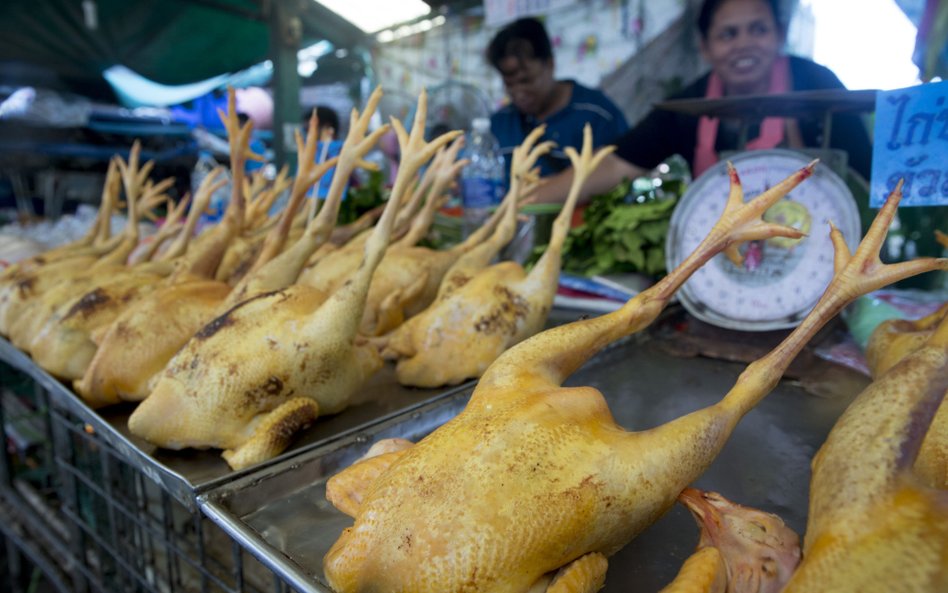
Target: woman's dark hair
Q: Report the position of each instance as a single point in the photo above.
(710, 7)
(523, 38)
(327, 117)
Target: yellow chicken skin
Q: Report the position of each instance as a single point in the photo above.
(139, 344)
(872, 525)
(533, 478)
(741, 549)
(892, 341)
(254, 376)
(479, 313)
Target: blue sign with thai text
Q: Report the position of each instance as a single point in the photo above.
(911, 143)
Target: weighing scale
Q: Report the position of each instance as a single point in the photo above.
(781, 279)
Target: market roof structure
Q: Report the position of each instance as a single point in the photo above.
(168, 41)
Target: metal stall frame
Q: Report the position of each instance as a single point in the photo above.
(114, 514)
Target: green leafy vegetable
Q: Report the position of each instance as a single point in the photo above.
(623, 230)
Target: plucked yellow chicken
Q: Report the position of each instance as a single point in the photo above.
(480, 312)
(741, 549)
(59, 335)
(50, 288)
(97, 240)
(24, 284)
(139, 344)
(143, 337)
(532, 478)
(873, 525)
(248, 380)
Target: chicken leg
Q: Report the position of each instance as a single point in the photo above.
(532, 478)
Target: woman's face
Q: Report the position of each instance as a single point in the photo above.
(529, 83)
(742, 43)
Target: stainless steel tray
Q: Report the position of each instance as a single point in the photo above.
(280, 513)
(184, 474)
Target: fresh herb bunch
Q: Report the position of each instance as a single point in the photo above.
(622, 231)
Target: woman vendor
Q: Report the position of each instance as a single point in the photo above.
(742, 41)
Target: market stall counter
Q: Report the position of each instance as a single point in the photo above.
(123, 514)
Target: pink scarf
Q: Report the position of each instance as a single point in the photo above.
(771, 129)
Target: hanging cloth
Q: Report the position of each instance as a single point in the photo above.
(771, 129)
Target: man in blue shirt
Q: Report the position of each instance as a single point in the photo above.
(522, 53)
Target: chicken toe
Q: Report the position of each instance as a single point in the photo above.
(586, 574)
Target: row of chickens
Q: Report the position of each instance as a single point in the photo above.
(237, 338)
(240, 336)
(533, 485)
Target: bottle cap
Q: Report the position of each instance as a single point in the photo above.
(480, 125)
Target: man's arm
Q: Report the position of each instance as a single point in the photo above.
(610, 172)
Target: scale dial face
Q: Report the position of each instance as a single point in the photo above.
(781, 280)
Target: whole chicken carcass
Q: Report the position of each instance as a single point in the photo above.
(143, 337)
(138, 346)
(873, 525)
(62, 342)
(251, 378)
(533, 478)
(741, 549)
(481, 311)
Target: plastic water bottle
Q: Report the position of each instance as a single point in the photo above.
(218, 203)
(482, 180)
